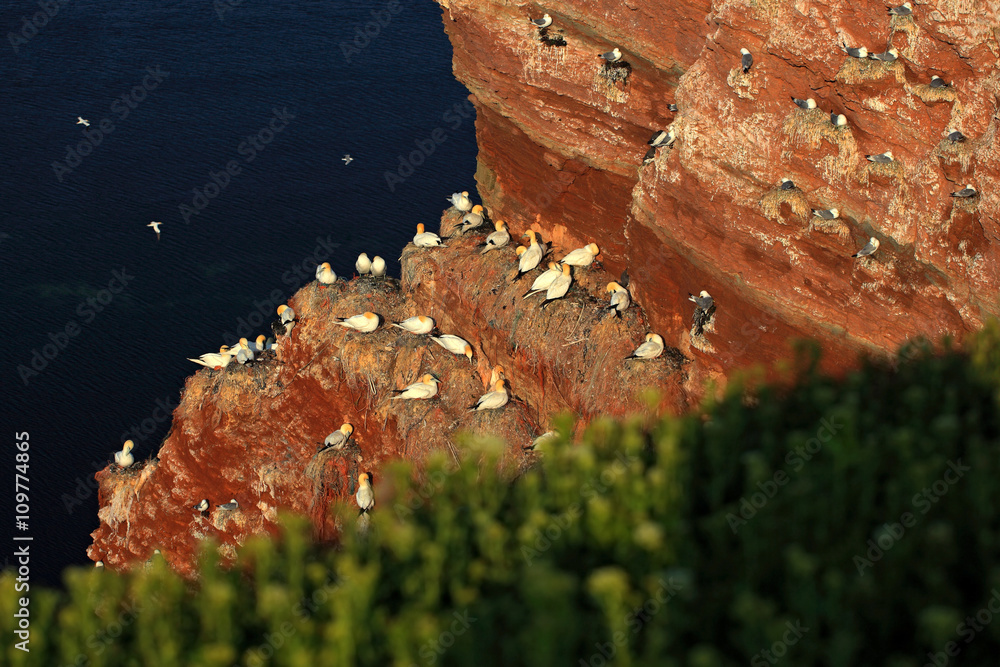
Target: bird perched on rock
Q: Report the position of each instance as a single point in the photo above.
(231, 506)
(965, 193)
(202, 507)
(492, 400)
(285, 322)
(826, 213)
(532, 256)
(662, 138)
(424, 239)
(378, 267)
(366, 322)
(454, 344)
(938, 82)
(461, 201)
(704, 300)
(787, 184)
(861, 52)
(325, 274)
(244, 353)
(746, 62)
(838, 119)
(905, 9)
(559, 286)
(472, 219)
(363, 265)
(887, 57)
(955, 136)
(804, 104)
(497, 239)
(649, 156)
(543, 22)
(881, 158)
(704, 312)
(544, 439)
(124, 458)
(338, 439)
(215, 360)
(869, 248)
(612, 56)
(544, 280)
(620, 298)
(672, 107)
(418, 324)
(582, 257)
(426, 387)
(365, 497)
(651, 349)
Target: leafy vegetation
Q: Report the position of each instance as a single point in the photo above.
(820, 522)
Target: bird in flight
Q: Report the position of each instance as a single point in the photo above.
(156, 228)
(347, 159)
(80, 120)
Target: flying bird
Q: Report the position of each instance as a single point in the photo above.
(82, 121)
(746, 61)
(543, 22)
(938, 82)
(364, 323)
(826, 213)
(347, 159)
(426, 387)
(861, 52)
(651, 349)
(905, 9)
(965, 193)
(883, 158)
(787, 184)
(124, 458)
(338, 439)
(612, 56)
(804, 104)
(869, 248)
(156, 228)
(888, 57)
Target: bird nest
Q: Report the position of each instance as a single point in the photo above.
(892, 169)
(967, 204)
(856, 70)
(699, 342)
(813, 126)
(771, 203)
(741, 83)
(616, 73)
(957, 151)
(907, 25)
(838, 227)
(767, 8)
(930, 95)
(550, 39)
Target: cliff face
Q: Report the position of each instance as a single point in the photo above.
(562, 137)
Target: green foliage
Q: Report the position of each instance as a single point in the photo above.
(696, 541)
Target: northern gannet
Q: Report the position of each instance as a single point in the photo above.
(124, 458)
(965, 193)
(156, 228)
(82, 121)
(498, 238)
(363, 265)
(262, 344)
(347, 159)
(215, 360)
(364, 323)
(365, 497)
(493, 399)
(325, 274)
(804, 104)
(612, 56)
(543, 439)
(378, 266)
(582, 256)
(904, 9)
(244, 353)
(882, 158)
(869, 248)
(544, 279)
(559, 286)
(620, 298)
(338, 439)
(746, 62)
(532, 256)
(426, 387)
(704, 300)
(230, 506)
(651, 349)
(286, 314)
(424, 239)
(454, 344)
(472, 219)
(461, 201)
(826, 213)
(418, 324)
(543, 22)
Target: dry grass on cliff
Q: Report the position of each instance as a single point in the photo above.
(906, 25)
(960, 152)
(742, 84)
(812, 127)
(838, 227)
(856, 70)
(966, 204)
(771, 203)
(611, 81)
(892, 169)
(930, 95)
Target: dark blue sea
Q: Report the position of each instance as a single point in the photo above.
(227, 121)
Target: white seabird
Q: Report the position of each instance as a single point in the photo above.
(472, 219)
(347, 159)
(378, 266)
(99, 565)
(156, 228)
(261, 344)
(424, 239)
(559, 286)
(804, 104)
(492, 400)
(124, 458)
(938, 82)
(662, 138)
(955, 136)
(426, 387)
(746, 61)
(787, 184)
(531, 257)
(838, 120)
(965, 193)
(826, 213)
(882, 158)
(582, 257)
(704, 300)
(612, 56)
(461, 201)
(543, 22)
(202, 507)
(215, 360)
(82, 121)
(230, 506)
(861, 52)
(325, 275)
(544, 280)
(364, 323)
(904, 9)
(869, 248)
(286, 313)
(365, 497)
(498, 238)
(454, 344)
(418, 324)
(651, 349)
(620, 299)
(888, 57)
(363, 265)
(339, 438)
(243, 352)
(543, 439)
